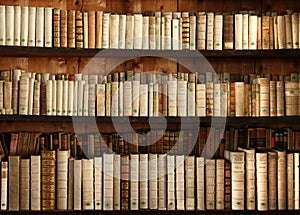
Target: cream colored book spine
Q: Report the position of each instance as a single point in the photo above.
(36, 98)
(87, 184)
(152, 28)
(162, 35)
(143, 178)
(129, 31)
(190, 183)
(49, 97)
(290, 181)
(4, 185)
(24, 184)
(122, 31)
(220, 178)
(200, 185)
(172, 97)
(296, 181)
(85, 109)
(134, 182)
(32, 26)
(275, 31)
(23, 96)
(105, 31)
(288, 31)
(201, 31)
(80, 97)
(77, 184)
(108, 185)
(272, 180)
(14, 183)
(48, 26)
(150, 99)
(295, 30)
(98, 183)
(210, 184)
(245, 30)
(86, 34)
(252, 32)
(218, 32)
(35, 182)
(171, 182)
(17, 25)
(210, 31)
(175, 34)
(2, 110)
(281, 32)
(239, 99)
(181, 102)
(273, 112)
(114, 98)
(138, 31)
(62, 180)
(259, 33)
(193, 28)
(262, 181)
(116, 182)
(3, 24)
(264, 94)
(99, 28)
(291, 98)
(191, 99)
(135, 98)
(180, 182)
(24, 26)
(8, 97)
(75, 99)
(100, 100)
(70, 97)
(201, 99)
(59, 97)
(158, 30)
(143, 100)
(30, 96)
(54, 96)
(127, 98)
(217, 99)
(162, 182)
(145, 33)
(153, 182)
(281, 180)
(71, 184)
(9, 10)
(238, 26)
(114, 31)
(280, 109)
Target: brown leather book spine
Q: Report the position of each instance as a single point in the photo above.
(125, 182)
(64, 28)
(78, 30)
(228, 32)
(56, 28)
(71, 29)
(227, 185)
(232, 100)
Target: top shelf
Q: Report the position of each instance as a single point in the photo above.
(12, 51)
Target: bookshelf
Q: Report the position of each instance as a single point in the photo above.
(73, 61)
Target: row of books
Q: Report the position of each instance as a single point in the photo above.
(242, 30)
(148, 94)
(247, 180)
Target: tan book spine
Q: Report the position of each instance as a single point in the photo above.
(2, 23)
(281, 180)
(108, 170)
(100, 99)
(228, 32)
(152, 28)
(85, 19)
(275, 31)
(193, 37)
(262, 181)
(288, 31)
(99, 25)
(62, 180)
(79, 40)
(200, 183)
(24, 184)
(209, 99)
(98, 182)
(189, 183)
(117, 182)
(77, 184)
(145, 32)
(2, 110)
(122, 32)
(24, 26)
(36, 98)
(265, 32)
(134, 182)
(9, 10)
(281, 32)
(143, 185)
(129, 31)
(172, 98)
(23, 96)
(64, 28)
(201, 99)
(201, 31)
(8, 97)
(71, 184)
(171, 182)
(157, 30)
(185, 39)
(290, 181)
(59, 97)
(71, 29)
(56, 28)
(138, 31)
(114, 31)
(257, 100)
(232, 105)
(291, 98)
(91, 29)
(238, 26)
(264, 94)
(143, 100)
(220, 177)
(210, 31)
(259, 33)
(4, 185)
(87, 184)
(48, 34)
(180, 181)
(272, 180)
(17, 26)
(13, 183)
(273, 108)
(280, 92)
(153, 183)
(239, 99)
(210, 183)
(181, 98)
(70, 97)
(218, 32)
(245, 30)
(271, 33)
(253, 32)
(162, 179)
(92, 100)
(35, 182)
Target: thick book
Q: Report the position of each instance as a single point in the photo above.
(138, 31)
(99, 28)
(87, 184)
(71, 28)
(13, 183)
(220, 184)
(24, 26)
(185, 35)
(210, 184)
(40, 26)
(35, 182)
(190, 183)
(281, 179)
(200, 183)
(228, 42)
(24, 184)
(272, 180)
(218, 32)
(134, 182)
(77, 185)
(9, 25)
(180, 182)
(89, 30)
(262, 180)
(62, 180)
(64, 28)
(56, 27)
(238, 31)
(48, 26)
(108, 181)
(114, 31)
(153, 182)
(79, 31)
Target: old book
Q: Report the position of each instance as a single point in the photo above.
(217, 99)
(99, 28)
(296, 181)
(220, 184)
(56, 27)
(35, 182)
(62, 180)
(158, 30)
(281, 32)
(153, 182)
(201, 99)
(71, 179)
(210, 30)
(9, 25)
(272, 180)
(180, 181)
(290, 181)
(30, 96)
(48, 26)
(143, 100)
(209, 98)
(64, 28)
(218, 32)
(48, 180)
(189, 183)
(24, 25)
(108, 100)
(71, 29)
(253, 32)
(193, 30)
(49, 91)
(227, 185)
(145, 33)
(281, 180)
(114, 31)
(36, 98)
(4, 185)
(171, 182)
(77, 184)
(134, 182)
(92, 100)
(108, 181)
(100, 100)
(275, 30)
(8, 97)
(288, 31)
(129, 31)
(265, 32)
(238, 31)
(152, 29)
(201, 30)
(59, 97)
(90, 29)
(228, 31)
(262, 180)
(13, 183)
(138, 31)
(291, 98)
(23, 96)
(273, 99)
(98, 182)
(210, 184)
(185, 39)
(79, 31)
(85, 106)
(24, 184)
(245, 30)
(122, 31)
(87, 184)
(175, 34)
(143, 179)
(125, 184)
(264, 96)
(280, 93)
(162, 179)
(17, 25)
(259, 33)
(295, 29)
(80, 98)
(182, 101)
(172, 98)
(135, 98)
(200, 193)
(118, 166)
(2, 23)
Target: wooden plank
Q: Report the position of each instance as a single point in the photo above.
(160, 5)
(278, 66)
(279, 5)
(95, 5)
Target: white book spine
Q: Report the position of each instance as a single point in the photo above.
(153, 192)
(39, 36)
(158, 32)
(85, 109)
(210, 183)
(105, 31)
(31, 26)
(108, 185)
(117, 182)
(167, 32)
(218, 32)
(80, 98)
(220, 184)
(75, 99)
(296, 181)
(190, 183)
(143, 100)
(162, 33)
(172, 98)
(181, 102)
(217, 99)
(155, 100)
(17, 25)
(201, 99)
(87, 184)
(245, 30)
(35, 182)
(171, 182)
(135, 98)
(252, 32)
(238, 26)
(108, 99)
(98, 183)
(9, 25)
(200, 183)
(150, 99)
(180, 184)
(48, 26)
(143, 171)
(262, 181)
(175, 34)
(210, 31)
(114, 31)
(134, 182)
(193, 28)
(121, 98)
(62, 180)
(59, 97)
(3, 24)
(145, 32)
(24, 25)
(49, 97)
(162, 180)
(4, 184)
(152, 28)
(30, 96)
(70, 97)
(129, 31)
(201, 32)
(77, 184)
(85, 20)
(138, 31)
(115, 99)
(122, 31)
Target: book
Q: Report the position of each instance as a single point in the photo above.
(48, 26)
(185, 36)
(143, 178)
(113, 31)
(64, 28)
(108, 181)
(3, 23)
(171, 182)
(62, 180)
(4, 185)
(87, 184)
(218, 32)
(253, 32)
(296, 181)
(201, 30)
(290, 180)
(79, 30)
(24, 184)
(281, 180)
(13, 183)
(228, 31)
(266, 32)
(238, 30)
(272, 180)
(145, 33)
(138, 31)
(295, 29)
(129, 31)
(189, 183)
(193, 37)
(90, 29)
(210, 31)
(35, 182)
(281, 32)
(71, 29)
(98, 182)
(99, 29)
(122, 31)
(71, 179)
(25, 16)
(288, 31)
(56, 27)
(9, 25)
(134, 182)
(262, 180)
(77, 184)
(180, 182)
(153, 182)
(200, 184)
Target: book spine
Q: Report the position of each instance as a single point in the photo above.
(3, 21)
(259, 33)
(145, 32)
(227, 197)
(35, 182)
(87, 184)
(288, 31)
(158, 30)
(245, 30)
(152, 32)
(200, 183)
(296, 181)
(90, 30)
(138, 31)
(79, 31)
(273, 108)
(122, 31)
(129, 31)
(201, 99)
(56, 28)
(181, 102)
(64, 28)
(24, 184)
(98, 183)
(193, 28)
(275, 31)
(71, 28)
(281, 180)
(162, 179)
(280, 92)
(272, 180)
(185, 39)
(59, 97)
(108, 99)
(220, 184)
(190, 183)
(8, 97)
(134, 182)
(180, 182)
(262, 181)
(24, 26)
(17, 26)
(218, 32)
(253, 32)
(9, 10)
(290, 181)
(228, 32)
(172, 98)
(36, 98)
(143, 185)
(153, 183)
(71, 182)
(265, 32)
(217, 99)
(114, 31)
(48, 26)
(210, 31)
(99, 29)
(62, 180)
(210, 184)
(238, 26)
(125, 184)
(30, 96)
(117, 184)
(77, 184)
(171, 182)
(23, 96)
(281, 32)
(291, 98)
(209, 98)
